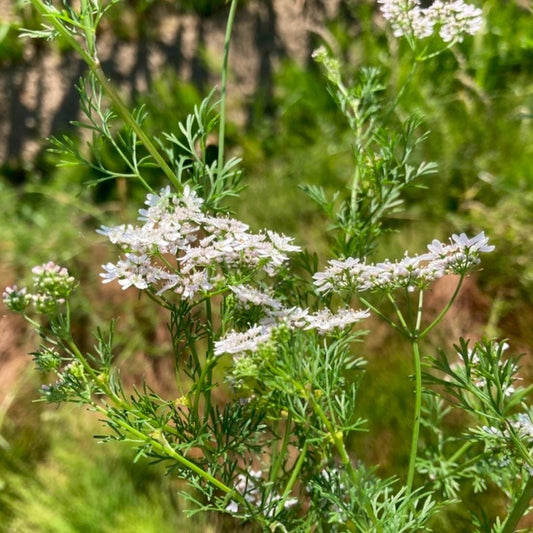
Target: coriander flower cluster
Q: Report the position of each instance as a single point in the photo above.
(180, 248)
(460, 256)
(452, 19)
(52, 285)
(276, 315)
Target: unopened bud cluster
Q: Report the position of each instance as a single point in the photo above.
(52, 285)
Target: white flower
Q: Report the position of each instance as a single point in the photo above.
(324, 320)
(232, 507)
(509, 390)
(479, 243)
(190, 285)
(341, 273)
(282, 243)
(246, 341)
(407, 18)
(293, 317)
(461, 255)
(493, 431)
(134, 270)
(16, 299)
(50, 269)
(202, 248)
(249, 295)
(352, 274)
(191, 200)
(453, 19)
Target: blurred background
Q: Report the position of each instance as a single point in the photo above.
(477, 100)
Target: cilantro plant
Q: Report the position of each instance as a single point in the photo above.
(253, 314)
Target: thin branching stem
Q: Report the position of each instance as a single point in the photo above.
(279, 456)
(120, 106)
(520, 507)
(461, 451)
(210, 362)
(116, 400)
(445, 310)
(419, 311)
(399, 314)
(161, 445)
(223, 88)
(416, 417)
(294, 477)
(395, 326)
(337, 438)
(409, 308)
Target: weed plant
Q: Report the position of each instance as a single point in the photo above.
(264, 339)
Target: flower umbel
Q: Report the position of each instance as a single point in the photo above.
(323, 321)
(182, 249)
(460, 256)
(452, 19)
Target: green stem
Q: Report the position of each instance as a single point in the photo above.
(416, 418)
(167, 450)
(210, 361)
(520, 507)
(103, 386)
(423, 57)
(199, 387)
(159, 300)
(294, 476)
(445, 310)
(224, 79)
(354, 190)
(133, 167)
(89, 30)
(119, 104)
(461, 451)
(123, 111)
(277, 457)
(94, 376)
(337, 438)
(398, 312)
(402, 89)
(419, 310)
(409, 308)
(381, 315)
(30, 320)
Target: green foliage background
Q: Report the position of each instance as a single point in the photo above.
(478, 104)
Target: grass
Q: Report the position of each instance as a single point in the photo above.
(82, 486)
